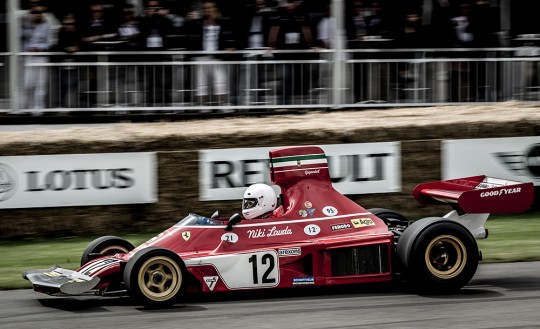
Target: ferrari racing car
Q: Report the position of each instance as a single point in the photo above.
(318, 237)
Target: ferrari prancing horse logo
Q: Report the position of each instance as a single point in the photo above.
(186, 235)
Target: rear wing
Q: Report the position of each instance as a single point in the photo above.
(477, 194)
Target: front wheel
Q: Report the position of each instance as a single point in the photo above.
(442, 256)
(105, 245)
(155, 276)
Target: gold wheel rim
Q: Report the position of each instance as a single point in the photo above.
(446, 257)
(160, 278)
(114, 250)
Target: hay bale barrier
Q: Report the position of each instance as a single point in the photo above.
(419, 130)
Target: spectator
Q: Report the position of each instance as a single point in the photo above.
(373, 20)
(292, 32)
(97, 28)
(210, 33)
(128, 31)
(154, 29)
(36, 37)
(412, 35)
(155, 26)
(359, 26)
(463, 36)
(48, 16)
(69, 41)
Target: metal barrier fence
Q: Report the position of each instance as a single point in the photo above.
(179, 81)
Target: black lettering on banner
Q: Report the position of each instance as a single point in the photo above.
(60, 180)
(266, 258)
(99, 180)
(120, 179)
(33, 181)
(378, 175)
(57, 180)
(246, 172)
(220, 171)
(379, 168)
(80, 179)
(333, 162)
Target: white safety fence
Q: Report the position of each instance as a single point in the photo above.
(182, 82)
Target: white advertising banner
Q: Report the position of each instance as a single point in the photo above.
(224, 174)
(515, 158)
(77, 180)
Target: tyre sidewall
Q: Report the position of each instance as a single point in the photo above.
(134, 266)
(418, 271)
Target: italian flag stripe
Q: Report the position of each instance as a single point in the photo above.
(297, 158)
(294, 161)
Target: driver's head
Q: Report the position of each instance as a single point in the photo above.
(259, 199)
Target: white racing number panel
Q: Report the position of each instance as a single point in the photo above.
(250, 270)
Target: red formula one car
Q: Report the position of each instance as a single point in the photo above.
(319, 237)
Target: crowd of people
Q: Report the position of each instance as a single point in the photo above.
(225, 25)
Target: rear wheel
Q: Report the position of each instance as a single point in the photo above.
(155, 276)
(443, 256)
(105, 245)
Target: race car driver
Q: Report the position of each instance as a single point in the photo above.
(260, 200)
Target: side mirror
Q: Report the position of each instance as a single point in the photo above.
(215, 214)
(235, 219)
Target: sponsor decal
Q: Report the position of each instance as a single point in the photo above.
(330, 211)
(8, 182)
(362, 222)
(306, 280)
(211, 281)
(268, 233)
(230, 237)
(286, 252)
(310, 211)
(308, 204)
(52, 274)
(312, 229)
(341, 226)
(186, 235)
(303, 213)
(311, 172)
(500, 192)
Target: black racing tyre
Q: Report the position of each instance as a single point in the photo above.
(439, 255)
(106, 245)
(155, 277)
(390, 217)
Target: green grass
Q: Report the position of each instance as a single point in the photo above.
(511, 239)
(18, 256)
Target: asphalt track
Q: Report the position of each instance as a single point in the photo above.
(499, 296)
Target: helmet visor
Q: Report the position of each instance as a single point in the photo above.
(249, 203)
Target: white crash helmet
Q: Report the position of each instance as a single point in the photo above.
(259, 199)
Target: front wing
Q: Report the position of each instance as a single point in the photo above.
(57, 280)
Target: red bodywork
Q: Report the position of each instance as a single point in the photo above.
(311, 240)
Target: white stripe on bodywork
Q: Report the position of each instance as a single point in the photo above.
(302, 162)
(283, 222)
